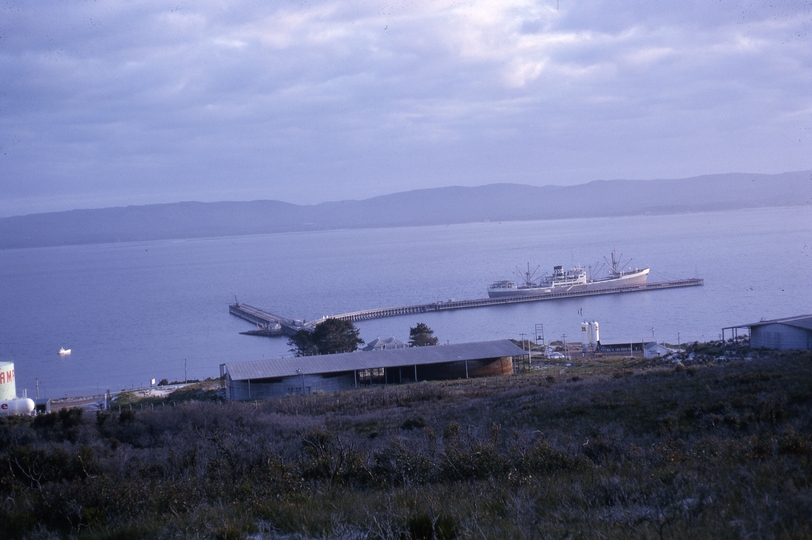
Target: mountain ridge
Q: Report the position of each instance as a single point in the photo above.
(429, 206)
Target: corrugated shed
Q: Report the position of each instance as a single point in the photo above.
(333, 363)
(780, 336)
(799, 321)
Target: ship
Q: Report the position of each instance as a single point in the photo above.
(575, 279)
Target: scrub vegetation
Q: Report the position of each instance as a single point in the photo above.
(598, 448)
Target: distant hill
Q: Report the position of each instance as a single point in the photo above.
(493, 202)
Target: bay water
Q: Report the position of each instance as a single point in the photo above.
(133, 312)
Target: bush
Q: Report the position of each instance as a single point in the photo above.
(722, 453)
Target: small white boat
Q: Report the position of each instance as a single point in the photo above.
(63, 351)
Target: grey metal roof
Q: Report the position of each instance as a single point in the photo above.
(332, 363)
(799, 321)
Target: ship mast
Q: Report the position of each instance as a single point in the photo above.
(616, 266)
(527, 276)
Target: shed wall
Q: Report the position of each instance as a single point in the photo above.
(333, 382)
(456, 370)
(781, 337)
(283, 386)
(490, 367)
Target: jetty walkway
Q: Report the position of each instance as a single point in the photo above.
(269, 324)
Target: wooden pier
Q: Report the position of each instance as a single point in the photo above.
(270, 324)
(267, 323)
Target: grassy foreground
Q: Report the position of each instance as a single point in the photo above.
(604, 449)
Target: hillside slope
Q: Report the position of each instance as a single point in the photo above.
(615, 449)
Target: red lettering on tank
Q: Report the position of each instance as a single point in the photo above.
(2, 377)
(4, 406)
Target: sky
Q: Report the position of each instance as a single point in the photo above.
(111, 103)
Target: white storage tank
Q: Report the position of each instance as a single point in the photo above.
(8, 388)
(590, 335)
(9, 402)
(585, 331)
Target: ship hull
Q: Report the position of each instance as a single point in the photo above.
(632, 278)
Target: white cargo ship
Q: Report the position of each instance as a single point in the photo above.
(574, 279)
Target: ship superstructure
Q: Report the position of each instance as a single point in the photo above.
(574, 279)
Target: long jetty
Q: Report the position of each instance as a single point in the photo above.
(269, 324)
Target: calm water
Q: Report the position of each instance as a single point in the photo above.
(136, 311)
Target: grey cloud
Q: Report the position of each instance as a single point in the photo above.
(128, 103)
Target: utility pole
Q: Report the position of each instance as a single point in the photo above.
(185, 376)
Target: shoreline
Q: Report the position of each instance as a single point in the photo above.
(95, 402)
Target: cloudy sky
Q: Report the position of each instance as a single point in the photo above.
(111, 103)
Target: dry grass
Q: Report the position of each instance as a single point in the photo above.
(607, 448)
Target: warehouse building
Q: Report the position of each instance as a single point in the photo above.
(261, 379)
(791, 333)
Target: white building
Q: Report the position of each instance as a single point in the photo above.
(653, 349)
(378, 344)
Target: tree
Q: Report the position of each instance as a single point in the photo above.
(329, 337)
(336, 336)
(302, 343)
(421, 336)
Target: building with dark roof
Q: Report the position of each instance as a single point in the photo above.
(261, 379)
(790, 333)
